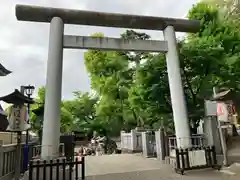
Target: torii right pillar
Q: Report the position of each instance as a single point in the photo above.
(181, 123)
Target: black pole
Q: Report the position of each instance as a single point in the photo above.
(26, 147)
(27, 133)
(18, 157)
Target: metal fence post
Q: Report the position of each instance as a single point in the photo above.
(214, 156)
(167, 144)
(223, 144)
(83, 168)
(178, 165)
(1, 159)
(163, 143)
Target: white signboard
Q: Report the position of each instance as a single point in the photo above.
(197, 158)
(210, 108)
(17, 117)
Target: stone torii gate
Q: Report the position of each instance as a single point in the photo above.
(58, 41)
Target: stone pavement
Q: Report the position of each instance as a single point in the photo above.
(136, 167)
(161, 175)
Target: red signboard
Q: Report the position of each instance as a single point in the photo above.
(229, 107)
(220, 110)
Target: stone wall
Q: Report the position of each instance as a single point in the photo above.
(132, 141)
(10, 138)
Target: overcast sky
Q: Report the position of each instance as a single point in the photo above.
(24, 45)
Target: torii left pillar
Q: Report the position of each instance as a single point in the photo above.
(52, 108)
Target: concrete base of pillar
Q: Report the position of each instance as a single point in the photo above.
(40, 171)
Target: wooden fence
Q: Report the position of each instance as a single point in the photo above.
(8, 159)
(58, 170)
(195, 158)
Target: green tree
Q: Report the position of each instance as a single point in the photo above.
(36, 121)
(150, 93)
(225, 36)
(133, 87)
(82, 107)
(205, 60)
(227, 8)
(112, 75)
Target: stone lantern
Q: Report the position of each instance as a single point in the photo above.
(17, 118)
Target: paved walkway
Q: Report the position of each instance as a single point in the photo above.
(136, 167)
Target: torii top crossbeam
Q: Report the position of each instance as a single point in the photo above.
(69, 16)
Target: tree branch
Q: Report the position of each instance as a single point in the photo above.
(168, 102)
(205, 75)
(189, 85)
